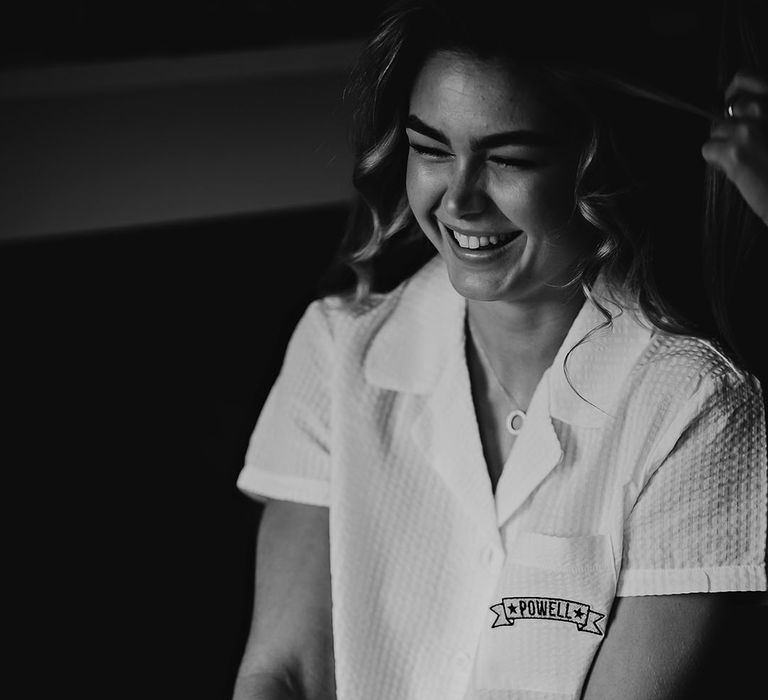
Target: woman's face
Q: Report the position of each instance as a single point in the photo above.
(490, 179)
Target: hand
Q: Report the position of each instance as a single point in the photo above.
(738, 144)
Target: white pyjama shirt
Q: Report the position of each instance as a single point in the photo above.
(641, 470)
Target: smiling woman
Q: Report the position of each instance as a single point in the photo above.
(497, 165)
(506, 462)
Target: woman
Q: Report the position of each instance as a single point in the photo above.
(522, 472)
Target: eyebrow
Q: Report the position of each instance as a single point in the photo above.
(518, 137)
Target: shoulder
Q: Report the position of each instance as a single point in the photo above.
(344, 323)
(396, 312)
(334, 331)
(685, 367)
(394, 340)
(650, 377)
(675, 364)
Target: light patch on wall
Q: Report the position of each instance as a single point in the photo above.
(227, 138)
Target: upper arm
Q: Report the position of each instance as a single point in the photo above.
(288, 456)
(694, 537)
(291, 639)
(680, 646)
(698, 523)
(289, 652)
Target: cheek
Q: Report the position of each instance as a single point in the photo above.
(420, 190)
(417, 193)
(414, 179)
(542, 203)
(411, 186)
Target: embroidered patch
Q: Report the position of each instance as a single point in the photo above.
(535, 608)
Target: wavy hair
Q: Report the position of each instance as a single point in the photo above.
(383, 244)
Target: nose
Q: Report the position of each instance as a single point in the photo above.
(464, 194)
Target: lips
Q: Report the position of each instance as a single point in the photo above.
(478, 241)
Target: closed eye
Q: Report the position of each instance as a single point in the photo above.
(513, 162)
(437, 154)
(429, 152)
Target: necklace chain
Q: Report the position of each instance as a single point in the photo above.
(516, 417)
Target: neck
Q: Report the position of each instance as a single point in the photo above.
(522, 340)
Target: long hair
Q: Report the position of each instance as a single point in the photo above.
(383, 244)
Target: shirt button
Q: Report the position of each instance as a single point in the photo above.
(462, 661)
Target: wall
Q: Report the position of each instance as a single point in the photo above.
(135, 365)
(99, 146)
(162, 227)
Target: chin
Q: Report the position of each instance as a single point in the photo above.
(476, 287)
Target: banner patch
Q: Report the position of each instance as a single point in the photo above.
(535, 608)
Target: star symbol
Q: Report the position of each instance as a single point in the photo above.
(512, 609)
(578, 613)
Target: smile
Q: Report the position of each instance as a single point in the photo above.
(485, 241)
(474, 242)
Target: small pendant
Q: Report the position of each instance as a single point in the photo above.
(515, 421)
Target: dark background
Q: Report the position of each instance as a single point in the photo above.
(41, 33)
(136, 362)
(137, 359)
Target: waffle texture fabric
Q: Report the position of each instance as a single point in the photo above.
(641, 470)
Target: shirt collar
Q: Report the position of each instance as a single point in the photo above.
(411, 347)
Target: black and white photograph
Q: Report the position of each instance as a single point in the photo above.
(388, 350)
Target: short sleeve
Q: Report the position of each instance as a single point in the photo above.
(699, 524)
(288, 456)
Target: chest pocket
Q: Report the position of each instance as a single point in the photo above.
(548, 617)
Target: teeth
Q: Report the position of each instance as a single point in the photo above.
(474, 242)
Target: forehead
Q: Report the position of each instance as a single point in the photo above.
(463, 92)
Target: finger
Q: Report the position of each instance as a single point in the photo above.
(746, 82)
